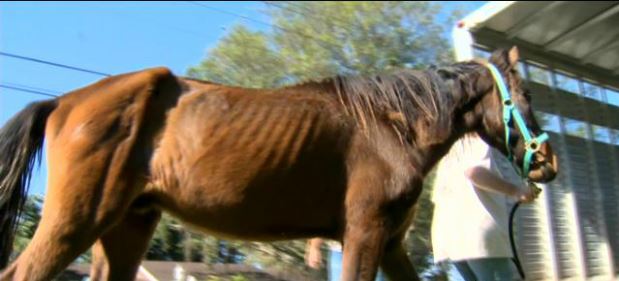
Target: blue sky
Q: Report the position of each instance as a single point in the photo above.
(106, 37)
(110, 37)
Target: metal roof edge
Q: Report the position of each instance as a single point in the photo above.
(479, 16)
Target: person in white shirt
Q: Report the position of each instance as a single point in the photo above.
(474, 190)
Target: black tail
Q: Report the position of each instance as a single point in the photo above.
(21, 142)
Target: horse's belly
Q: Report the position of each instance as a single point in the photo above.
(280, 210)
(248, 196)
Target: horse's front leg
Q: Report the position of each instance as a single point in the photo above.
(378, 208)
(363, 249)
(367, 225)
(396, 264)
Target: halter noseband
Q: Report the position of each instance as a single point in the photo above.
(532, 144)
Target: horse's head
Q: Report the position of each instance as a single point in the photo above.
(520, 138)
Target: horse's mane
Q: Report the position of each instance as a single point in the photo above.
(421, 102)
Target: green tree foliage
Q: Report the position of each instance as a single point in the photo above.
(167, 241)
(242, 58)
(313, 40)
(173, 241)
(28, 222)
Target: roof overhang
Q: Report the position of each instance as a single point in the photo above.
(578, 37)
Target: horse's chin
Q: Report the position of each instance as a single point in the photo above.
(544, 172)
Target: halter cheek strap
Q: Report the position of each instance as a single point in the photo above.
(532, 144)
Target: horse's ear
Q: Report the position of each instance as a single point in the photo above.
(513, 56)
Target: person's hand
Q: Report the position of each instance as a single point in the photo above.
(313, 256)
(528, 194)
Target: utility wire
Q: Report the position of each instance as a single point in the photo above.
(22, 89)
(54, 64)
(297, 10)
(317, 40)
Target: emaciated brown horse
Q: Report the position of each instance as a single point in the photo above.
(341, 159)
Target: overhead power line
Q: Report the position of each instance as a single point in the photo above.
(54, 64)
(23, 89)
(321, 42)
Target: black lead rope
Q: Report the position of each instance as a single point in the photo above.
(513, 243)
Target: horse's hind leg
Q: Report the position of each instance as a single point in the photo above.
(119, 251)
(98, 165)
(69, 226)
(81, 204)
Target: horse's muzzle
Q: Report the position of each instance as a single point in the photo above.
(546, 165)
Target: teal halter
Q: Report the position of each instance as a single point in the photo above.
(532, 144)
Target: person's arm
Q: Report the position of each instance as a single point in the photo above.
(485, 179)
(313, 256)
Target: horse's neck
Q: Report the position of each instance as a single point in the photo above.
(427, 157)
(465, 119)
